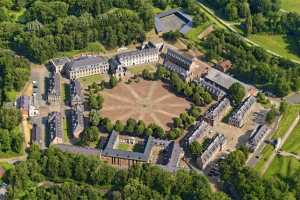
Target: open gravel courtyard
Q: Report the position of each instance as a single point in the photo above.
(150, 101)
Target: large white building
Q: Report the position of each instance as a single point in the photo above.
(138, 57)
(86, 66)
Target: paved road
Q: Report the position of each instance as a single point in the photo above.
(284, 138)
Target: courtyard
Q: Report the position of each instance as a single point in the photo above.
(150, 101)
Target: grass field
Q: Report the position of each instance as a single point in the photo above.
(267, 151)
(277, 44)
(6, 166)
(124, 147)
(292, 144)
(286, 120)
(139, 69)
(195, 32)
(85, 81)
(93, 47)
(283, 166)
(291, 5)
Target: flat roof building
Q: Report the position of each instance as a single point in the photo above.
(54, 87)
(237, 119)
(86, 66)
(218, 141)
(173, 20)
(55, 128)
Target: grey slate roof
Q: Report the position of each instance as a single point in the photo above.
(179, 59)
(222, 79)
(175, 157)
(111, 152)
(86, 61)
(60, 61)
(159, 26)
(244, 108)
(78, 150)
(24, 102)
(257, 135)
(136, 53)
(54, 85)
(220, 106)
(55, 125)
(75, 90)
(201, 128)
(211, 88)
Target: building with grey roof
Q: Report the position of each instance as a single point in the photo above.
(257, 136)
(199, 132)
(217, 144)
(117, 68)
(55, 128)
(54, 87)
(186, 66)
(214, 90)
(76, 95)
(78, 150)
(138, 57)
(36, 137)
(23, 104)
(86, 66)
(77, 121)
(173, 20)
(57, 64)
(216, 112)
(224, 81)
(238, 118)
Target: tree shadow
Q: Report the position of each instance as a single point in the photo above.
(293, 46)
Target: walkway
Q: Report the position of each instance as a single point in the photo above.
(288, 154)
(285, 137)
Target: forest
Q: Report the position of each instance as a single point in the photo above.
(253, 64)
(52, 174)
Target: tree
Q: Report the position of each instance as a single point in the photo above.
(177, 122)
(271, 115)
(95, 101)
(113, 81)
(94, 118)
(9, 118)
(248, 25)
(119, 127)
(148, 131)
(195, 149)
(90, 134)
(283, 106)
(237, 93)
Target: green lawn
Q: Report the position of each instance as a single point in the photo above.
(286, 120)
(6, 166)
(139, 69)
(85, 81)
(291, 5)
(292, 144)
(276, 43)
(267, 151)
(284, 166)
(12, 95)
(124, 147)
(93, 47)
(195, 32)
(67, 131)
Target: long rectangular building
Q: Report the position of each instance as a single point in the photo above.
(257, 136)
(77, 121)
(54, 89)
(55, 128)
(199, 132)
(86, 66)
(138, 57)
(216, 145)
(238, 117)
(214, 90)
(216, 112)
(76, 95)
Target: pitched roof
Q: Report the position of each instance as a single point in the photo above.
(84, 62)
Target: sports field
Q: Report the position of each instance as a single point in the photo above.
(291, 5)
(278, 44)
(284, 166)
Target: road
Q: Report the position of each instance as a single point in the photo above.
(229, 27)
(284, 138)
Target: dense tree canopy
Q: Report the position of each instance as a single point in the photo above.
(79, 177)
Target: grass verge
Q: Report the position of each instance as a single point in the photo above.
(292, 144)
(283, 166)
(139, 69)
(291, 6)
